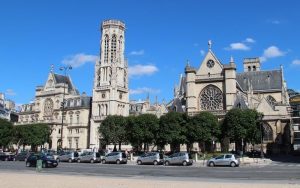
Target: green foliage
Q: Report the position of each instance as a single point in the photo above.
(203, 127)
(6, 133)
(172, 129)
(113, 129)
(142, 129)
(32, 134)
(242, 124)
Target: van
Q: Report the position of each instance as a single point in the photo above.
(92, 157)
(181, 158)
(154, 158)
(68, 156)
(115, 157)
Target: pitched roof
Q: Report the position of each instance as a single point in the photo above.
(60, 79)
(260, 80)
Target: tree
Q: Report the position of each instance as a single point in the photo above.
(6, 133)
(241, 125)
(172, 130)
(112, 130)
(142, 129)
(203, 127)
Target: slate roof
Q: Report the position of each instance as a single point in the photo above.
(260, 80)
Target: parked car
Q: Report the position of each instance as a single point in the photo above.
(254, 154)
(92, 157)
(69, 156)
(180, 158)
(224, 160)
(7, 157)
(47, 160)
(22, 156)
(150, 158)
(115, 157)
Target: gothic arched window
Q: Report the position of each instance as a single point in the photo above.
(106, 46)
(211, 98)
(113, 48)
(48, 107)
(271, 101)
(268, 133)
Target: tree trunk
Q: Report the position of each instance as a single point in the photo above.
(120, 144)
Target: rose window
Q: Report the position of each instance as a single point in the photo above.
(211, 98)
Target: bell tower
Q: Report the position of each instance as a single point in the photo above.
(110, 91)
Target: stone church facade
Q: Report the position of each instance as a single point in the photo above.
(218, 87)
(73, 130)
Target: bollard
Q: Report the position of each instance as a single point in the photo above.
(39, 164)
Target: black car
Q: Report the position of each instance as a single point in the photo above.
(47, 160)
(22, 156)
(7, 157)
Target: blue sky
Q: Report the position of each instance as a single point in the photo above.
(160, 37)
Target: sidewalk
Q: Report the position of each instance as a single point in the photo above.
(37, 180)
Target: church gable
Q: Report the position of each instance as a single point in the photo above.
(210, 65)
(50, 83)
(264, 106)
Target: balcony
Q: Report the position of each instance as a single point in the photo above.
(209, 77)
(99, 118)
(215, 112)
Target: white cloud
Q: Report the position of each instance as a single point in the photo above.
(80, 59)
(276, 22)
(10, 92)
(140, 70)
(140, 52)
(143, 90)
(202, 52)
(250, 40)
(238, 46)
(271, 52)
(296, 62)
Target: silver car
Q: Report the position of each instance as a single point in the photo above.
(115, 157)
(150, 158)
(67, 157)
(224, 160)
(181, 158)
(92, 157)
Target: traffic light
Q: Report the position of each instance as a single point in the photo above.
(62, 104)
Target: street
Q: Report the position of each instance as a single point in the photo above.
(274, 172)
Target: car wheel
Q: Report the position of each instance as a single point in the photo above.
(92, 161)
(70, 160)
(28, 164)
(232, 164)
(78, 161)
(118, 161)
(155, 163)
(103, 161)
(167, 163)
(184, 163)
(44, 165)
(139, 162)
(211, 164)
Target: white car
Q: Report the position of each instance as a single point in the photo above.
(224, 160)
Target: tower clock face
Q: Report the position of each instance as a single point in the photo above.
(210, 63)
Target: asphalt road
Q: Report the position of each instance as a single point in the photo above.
(271, 172)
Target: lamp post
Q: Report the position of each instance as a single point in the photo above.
(261, 136)
(63, 68)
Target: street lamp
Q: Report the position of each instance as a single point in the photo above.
(261, 136)
(63, 68)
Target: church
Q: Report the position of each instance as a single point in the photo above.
(74, 118)
(217, 87)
